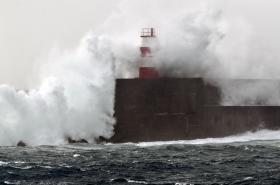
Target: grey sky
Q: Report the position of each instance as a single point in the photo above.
(30, 28)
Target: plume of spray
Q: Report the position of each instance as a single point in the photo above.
(186, 46)
(75, 98)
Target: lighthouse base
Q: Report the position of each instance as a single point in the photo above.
(148, 72)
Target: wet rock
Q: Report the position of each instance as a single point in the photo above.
(101, 140)
(82, 141)
(21, 144)
(72, 141)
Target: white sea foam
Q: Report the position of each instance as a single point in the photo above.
(19, 162)
(12, 182)
(2, 163)
(136, 182)
(262, 135)
(76, 155)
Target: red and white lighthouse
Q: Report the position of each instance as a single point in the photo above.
(146, 67)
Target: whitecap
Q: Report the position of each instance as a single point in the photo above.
(76, 155)
(3, 163)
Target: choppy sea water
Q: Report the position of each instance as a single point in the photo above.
(251, 162)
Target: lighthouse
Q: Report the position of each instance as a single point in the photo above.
(146, 66)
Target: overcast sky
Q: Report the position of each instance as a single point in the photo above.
(30, 28)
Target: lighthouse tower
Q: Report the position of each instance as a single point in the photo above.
(146, 67)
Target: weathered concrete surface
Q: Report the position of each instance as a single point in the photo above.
(187, 108)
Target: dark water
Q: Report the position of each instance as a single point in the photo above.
(255, 162)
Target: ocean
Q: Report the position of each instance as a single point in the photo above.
(218, 161)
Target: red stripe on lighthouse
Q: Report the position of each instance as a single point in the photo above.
(148, 72)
